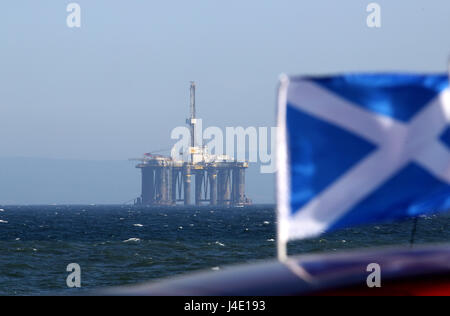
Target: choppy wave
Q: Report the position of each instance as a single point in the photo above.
(37, 243)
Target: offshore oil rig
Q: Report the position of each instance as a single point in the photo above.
(217, 179)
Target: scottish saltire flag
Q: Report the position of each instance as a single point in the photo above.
(361, 148)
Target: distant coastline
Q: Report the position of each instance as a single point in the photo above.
(48, 181)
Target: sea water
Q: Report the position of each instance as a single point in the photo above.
(122, 245)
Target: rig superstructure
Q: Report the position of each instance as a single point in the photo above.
(216, 179)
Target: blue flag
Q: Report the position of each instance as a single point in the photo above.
(361, 148)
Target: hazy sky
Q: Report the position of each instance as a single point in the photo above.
(115, 88)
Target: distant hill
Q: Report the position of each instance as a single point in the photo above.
(48, 181)
(60, 181)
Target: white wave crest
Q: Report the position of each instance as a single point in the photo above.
(132, 240)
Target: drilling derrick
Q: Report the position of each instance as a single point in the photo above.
(192, 120)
